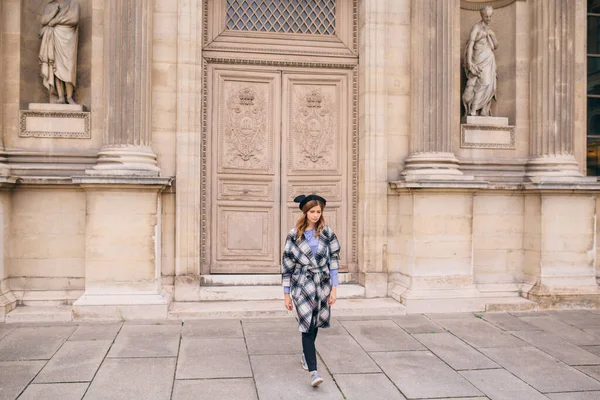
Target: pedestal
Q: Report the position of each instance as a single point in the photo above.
(122, 258)
(64, 121)
(486, 133)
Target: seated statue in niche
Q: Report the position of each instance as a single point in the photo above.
(480, 67)
(58, 51)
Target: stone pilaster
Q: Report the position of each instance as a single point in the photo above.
(190, 210)
(552, 91)
(3, 167)
(435, 91)
(127, 90)
(373, 144)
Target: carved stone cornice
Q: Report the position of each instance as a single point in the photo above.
(477, 5)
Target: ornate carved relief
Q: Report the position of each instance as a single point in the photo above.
(246, 141)
(314, 128)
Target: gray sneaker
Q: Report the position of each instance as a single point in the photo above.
(303, 363)
(315, 379)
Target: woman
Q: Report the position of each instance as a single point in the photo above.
(310, 267)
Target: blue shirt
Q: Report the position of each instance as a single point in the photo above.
(313, 243)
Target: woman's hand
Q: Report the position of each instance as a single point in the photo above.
(332, 296)
(287, 301)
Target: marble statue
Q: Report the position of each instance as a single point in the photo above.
(58, 51)
(480, 67)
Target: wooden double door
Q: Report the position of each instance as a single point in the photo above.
(275, 134)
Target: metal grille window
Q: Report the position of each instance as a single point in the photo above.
(315, 17)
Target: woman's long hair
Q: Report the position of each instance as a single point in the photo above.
(302, 222)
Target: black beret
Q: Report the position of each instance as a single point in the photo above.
(302, 199)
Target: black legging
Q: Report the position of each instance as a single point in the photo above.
(308, 345)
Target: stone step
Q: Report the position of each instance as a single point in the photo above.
(47, 297)
(274, 308)
(237, 293)
(50, 313)
(259, 279)
(508, 304)
(498, 290)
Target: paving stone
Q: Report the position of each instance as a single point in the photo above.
(595, 332)
(592, 349)
(480, 333)
(35, 343)
(213, 389)
(343, 355)
(418, 324)
(75, 361)
(96, 331)
(509, 322)
(441, 316)
(281, 377)
(574, 396)
(146, 341)
(558, 348)
(565, 331)
(454, 351)
(156, 322)
(222, 328)
(381, 336)
(133, 379)
(367, 386)
(582, 319)
(499, 384)
(213, 358)
(54, 391)
(280, 337)
(543, 372)
(464, 398)
(15, 375)
(420, 374)
(529, 314)
(335, 329)
(592, 370)
(287, 328)
(5, 330)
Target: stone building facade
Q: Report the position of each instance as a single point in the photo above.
(203, 119)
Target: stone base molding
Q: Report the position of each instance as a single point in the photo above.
(126, 161)
(549, 298)
(433, 166)
(122, 249)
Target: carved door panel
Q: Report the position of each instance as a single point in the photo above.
(316, 149)
(273, 135)
(245, 164)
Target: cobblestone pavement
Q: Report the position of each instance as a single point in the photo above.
(529, 356)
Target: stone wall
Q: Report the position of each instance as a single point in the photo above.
(47, 246)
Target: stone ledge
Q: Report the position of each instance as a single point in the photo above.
(122, 180)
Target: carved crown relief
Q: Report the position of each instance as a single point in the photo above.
(314, 128)
(246, 143)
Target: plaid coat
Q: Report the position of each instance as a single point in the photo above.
(308, 276)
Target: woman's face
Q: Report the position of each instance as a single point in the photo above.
(314, 214)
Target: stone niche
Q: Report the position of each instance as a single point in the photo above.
(31, 88)
(498, 149)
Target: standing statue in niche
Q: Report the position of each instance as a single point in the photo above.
(58, 52)
(480, 67)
